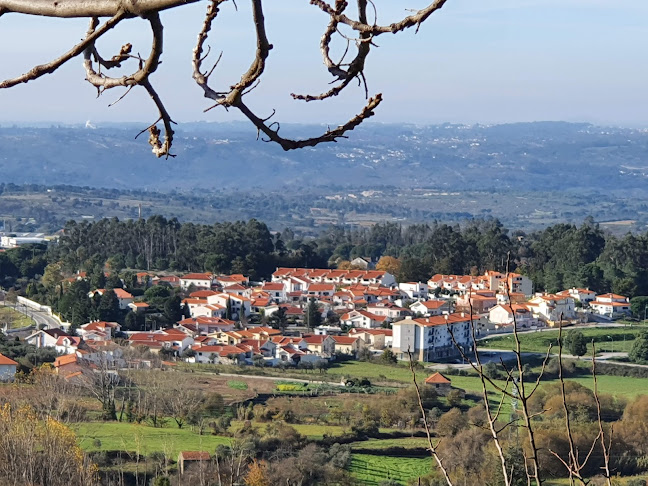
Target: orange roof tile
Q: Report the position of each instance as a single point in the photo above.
(437, 378)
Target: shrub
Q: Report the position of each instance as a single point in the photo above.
(237, 385)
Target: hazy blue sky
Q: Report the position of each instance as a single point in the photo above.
(473, 61)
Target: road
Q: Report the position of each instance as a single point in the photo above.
(40, 318)
(490, 354)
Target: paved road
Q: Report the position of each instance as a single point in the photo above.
(40, 318)
(489, 354)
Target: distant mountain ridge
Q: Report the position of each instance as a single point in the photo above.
(542, 156)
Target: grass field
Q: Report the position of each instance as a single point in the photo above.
(237, 385)
(13, 318)
(312, 431)
(132, 437)
(615, 339)
(371, 470)
(407, 443)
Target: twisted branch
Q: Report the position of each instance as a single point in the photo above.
(48, 68)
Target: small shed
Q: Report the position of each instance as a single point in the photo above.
(187, 459)
(7, 368)
(441, 384)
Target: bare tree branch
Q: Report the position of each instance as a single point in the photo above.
(89, 8)
(50, 67)
(411, 21)
(432, 447)
(233, 96)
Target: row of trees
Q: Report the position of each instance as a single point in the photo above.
(558, 257)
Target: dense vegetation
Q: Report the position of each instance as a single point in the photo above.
(558, 257)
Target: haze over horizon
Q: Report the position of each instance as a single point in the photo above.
(471, 62)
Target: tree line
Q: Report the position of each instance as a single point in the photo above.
(558, 257)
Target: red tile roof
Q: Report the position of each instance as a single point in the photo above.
(7, 361)
(345, 340)
(437, 378)
(194, 456)
(197, 276)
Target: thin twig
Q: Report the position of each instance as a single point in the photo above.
(48, 68)
(432, 447)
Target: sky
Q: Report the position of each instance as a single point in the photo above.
(474, 61)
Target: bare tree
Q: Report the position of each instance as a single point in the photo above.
(521, 391)
(358, 32)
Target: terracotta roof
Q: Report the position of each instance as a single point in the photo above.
(202, 294)
(234, 287)
(434, 304)
(120, 293)
(345, 339)
(613, 304)
(315, 339)
(197, 276)
(291, 350)
(611, 296)
(320, 287)
(442, 320)
(74, 340)
(7, 361)
(437, 378)
(385, 332)
(73, 375)
(65, 360)
(194, 456)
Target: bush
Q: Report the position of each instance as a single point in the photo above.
(292, 387)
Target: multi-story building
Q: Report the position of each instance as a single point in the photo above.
(431, 338)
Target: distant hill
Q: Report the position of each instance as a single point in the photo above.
(544, 156)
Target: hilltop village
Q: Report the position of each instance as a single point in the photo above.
(306, 317)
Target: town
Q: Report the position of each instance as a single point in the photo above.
(305, 317)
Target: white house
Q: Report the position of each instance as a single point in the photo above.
(611, 305)
(431, 307)
(67, 344)
(238, 303)
(320, 290)
(208, 310)
(7, 368)
(582, 295)
(229, 280)
(430, 338)
(414, 290)
(389, 310)
(364, 319)
(45, 338)
(376, 339)
(276, 290)
(502, 315)
(124, 298)
(551, 307)
(108, 329)
(170, 339)
(198, 280)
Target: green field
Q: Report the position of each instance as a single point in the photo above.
(376, 371)
(612, 339)
(312, 431)
(14, 319)
(130, 437)
(371, 470)
(237, 385)
(406, 443)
